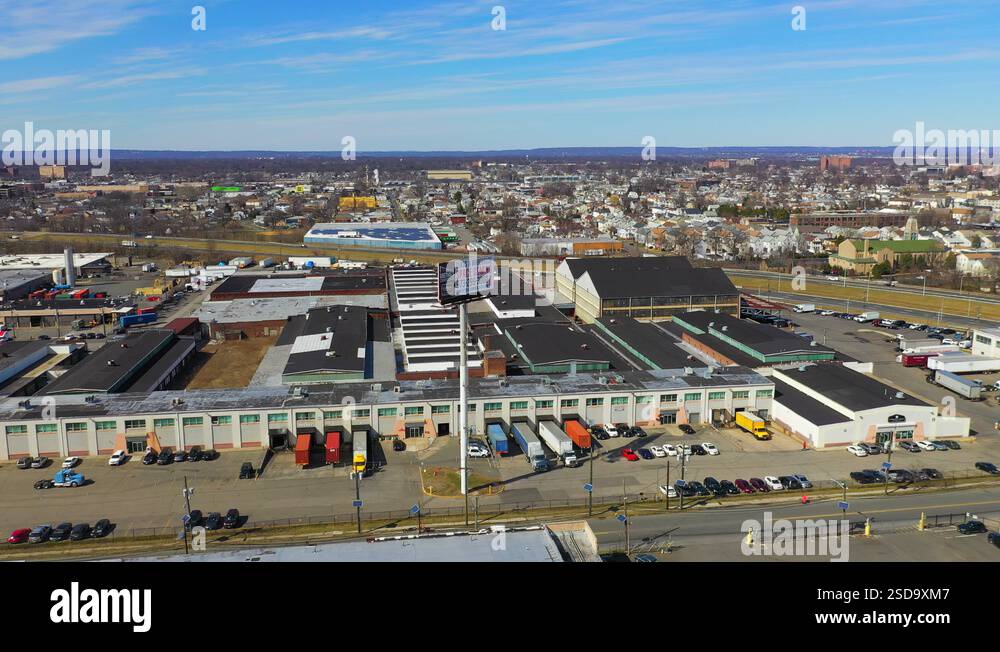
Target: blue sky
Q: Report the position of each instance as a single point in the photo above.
(302, 74)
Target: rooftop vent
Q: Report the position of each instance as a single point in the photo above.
(112, 363)
(900, 395)
(376, 387)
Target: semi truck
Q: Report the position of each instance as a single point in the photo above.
(963, 363)
(530, 445)
(865, 317)
(360, 451)
(557, 441)
(63, 478)
(805, 307)
(970, 389)
(498, 439)
(753, 424)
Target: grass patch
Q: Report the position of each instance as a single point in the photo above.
(446, 482)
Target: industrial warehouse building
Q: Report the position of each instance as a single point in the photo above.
(833, 405)
(275, 284)
(254, 417)
(387, 235)
(656, 288)
(720, 336)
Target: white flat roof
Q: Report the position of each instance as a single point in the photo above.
(47, 261)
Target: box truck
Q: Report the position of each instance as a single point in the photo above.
(498, 439)
(558, 441)
(970, 389)
(805, 307)
(530, 445)
(360, 451)
(865, 317)
(753, 424)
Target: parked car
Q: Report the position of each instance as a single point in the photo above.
(687, 490)
(932, 474)
(209, 454)
(180, 455)
(40, 534)
(40, 462)
(61, 532)
(971, 527)
(398, 445)
(789, 482)
(759, 485)
(232, 519)
(700, 489)
(646, 454)
(773, 483)
(989, 467)
(709, 448)
(714, 486)
(164, 458)
(79, 532)
(909, 446)
(658, 451)
(194, 519)
(686, 429)
(102, 528)
(698, 449)
(803, 480)
(611, 430)
(246, 471)
(624, 430)
(24, 463)
(670, 450)
(638, 431)
(994, 538)
(729, 488)
(925, 445)
(953, 445)
(939, 446)
(668, 490)
(857, 450)
(213, 521)
(872, 449)
(117, 458)
(195, 454)
(744, 486)
(150, 457)
(71, 462)
(599, 434)
(630, 455)
(19, 535)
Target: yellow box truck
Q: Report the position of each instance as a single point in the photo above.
(752, 424)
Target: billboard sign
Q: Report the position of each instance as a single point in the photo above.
(466, 279)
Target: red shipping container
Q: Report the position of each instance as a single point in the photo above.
(576, 432)
(302, 445)
(333, 447)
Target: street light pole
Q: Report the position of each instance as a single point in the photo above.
(357, 497)
(590, 494)
(463, 415)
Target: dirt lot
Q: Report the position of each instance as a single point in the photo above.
(230, 364)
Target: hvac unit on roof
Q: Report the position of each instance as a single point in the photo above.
(396, 389)
(900, 395)
(331, 354)
(376, 387)
(112, 363)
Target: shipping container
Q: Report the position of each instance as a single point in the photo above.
(303, 444)
(963, 363)
(970, 389)
(333, 444)
(578, 433)
(132, 320)
(498, 439)
(916, 359)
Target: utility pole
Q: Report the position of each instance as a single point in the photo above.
(187, 505)
(668, 486)
(590, 494)
(463, 415)
(357, 496)
(628, 546)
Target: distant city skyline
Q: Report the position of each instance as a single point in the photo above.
(438, 76)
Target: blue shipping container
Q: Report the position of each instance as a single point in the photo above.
(498, 439)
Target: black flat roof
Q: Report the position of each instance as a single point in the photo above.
(851, 389)
(650, 341)
(338, 281)
(347, 335)
(175, 353)
(94, 374)
(546, 344)
(805, 406)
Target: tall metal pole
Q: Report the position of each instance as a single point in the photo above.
(463, 395)
(357, 496)
(187, 504)
(625, 507)
(590, 494)
(668, 485)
